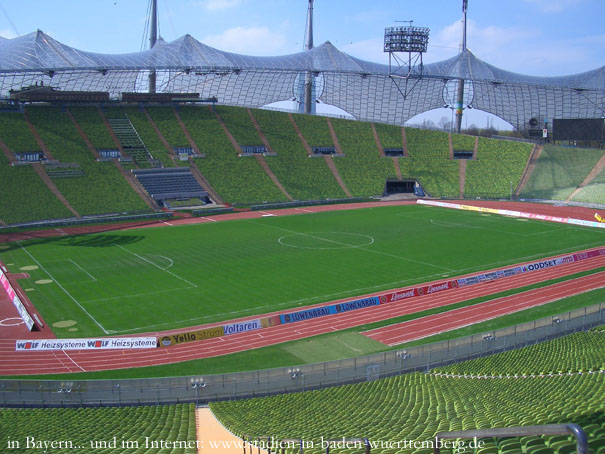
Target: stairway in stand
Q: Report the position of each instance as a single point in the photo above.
(129, 139)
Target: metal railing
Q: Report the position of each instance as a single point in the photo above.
(548, 429)
(202, 389)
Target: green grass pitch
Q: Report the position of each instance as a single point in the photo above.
(144, 280)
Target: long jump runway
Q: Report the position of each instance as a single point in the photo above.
(24, 363)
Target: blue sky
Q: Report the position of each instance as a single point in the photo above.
(537, 37)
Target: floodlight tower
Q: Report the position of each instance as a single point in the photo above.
(308, 87)
(408, 41)
(153, 38)
(460, 90)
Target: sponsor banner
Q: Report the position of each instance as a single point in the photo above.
(307, 314)
(543, 264)
(438, 204)
(512, 214)
(271, 321)
(517, 214)
(357, 304)
(546, 264)
(588, 254)
(329, 310)
(491, 276)
(429, 289)
(584, 223)
(242, 327)
(398, 295)
(120, 343)
(27, 319)
(509, 272)
(472, 280)
(191, 336)
(559, 220)
(488, 210)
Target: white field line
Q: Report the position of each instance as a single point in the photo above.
(358, 247)
(155, 292)
(63, 288)
(83, 270)
(157, 266)
(369, 289)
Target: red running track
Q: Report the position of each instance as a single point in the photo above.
(419, 328)
(23, 363)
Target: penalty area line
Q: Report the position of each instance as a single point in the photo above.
(63, 288)
(157, 266)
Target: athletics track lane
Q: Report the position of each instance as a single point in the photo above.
(78, 361)
(419, 328)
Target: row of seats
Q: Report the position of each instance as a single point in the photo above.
(165, 183)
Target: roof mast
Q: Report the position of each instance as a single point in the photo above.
(460, 91)
(153, 38)
(308, 46)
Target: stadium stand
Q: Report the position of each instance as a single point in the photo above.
(129, 139)
(170, 183)
(314, 129)
(429, 163)
(26, 202)
(15, 133)
(389, 136)
(498, 168)
(593, 192)
(304, 178)
(242, 180)
(93, 429)
(160, 155)
(462, 145)
(89, 120)
(579, 352)
(559, 171)
(167, 123)
(103, 189)
(363, 170)
(237, 180)
(240, 126)
(416, 406)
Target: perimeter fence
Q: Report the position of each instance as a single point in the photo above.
(202, 389)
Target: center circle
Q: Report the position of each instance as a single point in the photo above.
(326, 240)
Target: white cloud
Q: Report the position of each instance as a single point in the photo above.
(553, 6)
(516, 49)
(487, 41)
(248, 40)
(217, 5)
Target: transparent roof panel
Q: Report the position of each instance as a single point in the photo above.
(364, 89)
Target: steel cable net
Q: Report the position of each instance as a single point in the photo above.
(364, 89)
